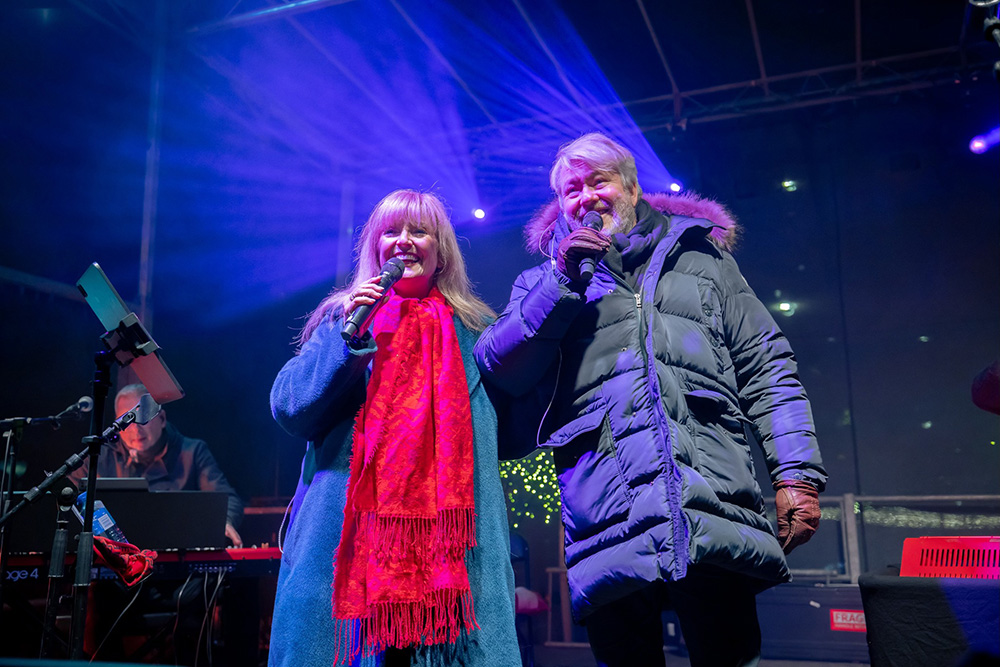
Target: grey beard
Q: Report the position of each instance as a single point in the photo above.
(623, 216)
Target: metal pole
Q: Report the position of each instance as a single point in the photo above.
(852, 548)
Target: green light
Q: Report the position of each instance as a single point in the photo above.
(531, 487)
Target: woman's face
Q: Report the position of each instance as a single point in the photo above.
(416, 245)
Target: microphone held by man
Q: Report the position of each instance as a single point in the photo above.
(579, 252)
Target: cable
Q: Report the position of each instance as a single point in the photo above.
(177, 614)
(281, 528)
(209, 606)
(211, 626)
(555, 388)
(120, 616)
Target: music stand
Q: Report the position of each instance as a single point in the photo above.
(128, 342)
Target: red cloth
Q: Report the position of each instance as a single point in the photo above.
(131, 563)
(410, 511)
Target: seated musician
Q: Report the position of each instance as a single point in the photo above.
(168, 460)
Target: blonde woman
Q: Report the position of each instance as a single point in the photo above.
(399, 509)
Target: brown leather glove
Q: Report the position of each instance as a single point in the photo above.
(797, 503)
(579, 244)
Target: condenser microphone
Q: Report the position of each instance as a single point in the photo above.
(587, 265)
(357, 323)
(76, 411)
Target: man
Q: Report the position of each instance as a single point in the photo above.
(641, 378)
(167, 459)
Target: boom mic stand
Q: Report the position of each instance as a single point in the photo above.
(145, 410)
(130, 344)
(12, 428)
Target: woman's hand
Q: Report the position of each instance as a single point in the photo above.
(366, 294)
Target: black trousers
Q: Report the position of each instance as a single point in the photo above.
(717, 611)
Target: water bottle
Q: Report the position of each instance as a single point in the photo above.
(104, 523)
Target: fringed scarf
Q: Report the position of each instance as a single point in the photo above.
(410, 512)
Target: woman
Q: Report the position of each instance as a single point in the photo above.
(399, 507)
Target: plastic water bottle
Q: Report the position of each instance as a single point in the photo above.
(104, 523)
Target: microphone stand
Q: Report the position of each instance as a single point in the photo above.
(128, 343)
(141, 413)
(13, 436)
(12, 429)
(85, 546)
(57, 572)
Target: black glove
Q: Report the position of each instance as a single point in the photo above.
(580, 244)
(797, 503)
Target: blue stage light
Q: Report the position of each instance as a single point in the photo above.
(983, 142)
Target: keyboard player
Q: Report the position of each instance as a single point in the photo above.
(169, 461)
(166, 458)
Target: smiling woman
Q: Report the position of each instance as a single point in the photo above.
(400, 486)
(416, 246)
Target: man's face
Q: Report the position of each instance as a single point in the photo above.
(581, 190)
(139, 438)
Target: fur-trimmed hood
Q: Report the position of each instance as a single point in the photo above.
(547, 221)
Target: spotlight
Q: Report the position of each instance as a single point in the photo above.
(787, 308)
(983, 142)
(675, 186)
(790, 186)
(479, 213)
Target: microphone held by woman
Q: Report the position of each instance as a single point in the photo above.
(360, 319)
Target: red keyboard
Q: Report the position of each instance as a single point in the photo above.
(259, 562)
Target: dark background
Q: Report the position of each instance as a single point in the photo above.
(276, 137)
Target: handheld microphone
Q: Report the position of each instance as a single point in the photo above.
(587, 265)
(361, 318)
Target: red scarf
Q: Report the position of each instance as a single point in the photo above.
(410, 512)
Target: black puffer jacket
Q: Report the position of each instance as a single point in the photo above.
(643, 383)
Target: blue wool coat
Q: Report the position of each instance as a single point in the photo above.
(316, 396)
(643, 383)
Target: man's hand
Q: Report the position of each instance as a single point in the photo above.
(579, 244)
(233, 536)
(797, 503)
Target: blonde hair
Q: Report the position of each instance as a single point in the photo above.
(399, 208)
(600, 154)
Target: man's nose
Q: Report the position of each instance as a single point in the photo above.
(588, 193)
